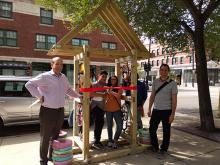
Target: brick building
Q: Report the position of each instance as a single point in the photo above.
(182, 64)
(28, 31)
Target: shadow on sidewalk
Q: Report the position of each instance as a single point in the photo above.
(191, 124)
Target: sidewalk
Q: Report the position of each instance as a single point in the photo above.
(185, 148)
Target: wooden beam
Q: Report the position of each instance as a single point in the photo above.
(100, 157)
(123, 21)
(117, 69)
(122, 28)
(134, 98)
(114, 29)
(94, 53)
(78, 142)
(83, 24)
(86, 104)
(76, 88)
(119, 26)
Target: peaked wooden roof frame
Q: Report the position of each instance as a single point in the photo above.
(110, 14)
(134, 50)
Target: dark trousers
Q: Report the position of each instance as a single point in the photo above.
(156, 117)
(97, 114)
(51, 121)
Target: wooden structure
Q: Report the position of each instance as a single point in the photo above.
(134, 50)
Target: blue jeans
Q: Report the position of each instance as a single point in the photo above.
(119, 122)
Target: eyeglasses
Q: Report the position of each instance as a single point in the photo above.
(113, 79)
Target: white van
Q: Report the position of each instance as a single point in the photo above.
(15, 101)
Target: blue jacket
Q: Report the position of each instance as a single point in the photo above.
(141, 93)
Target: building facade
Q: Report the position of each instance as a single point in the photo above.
(182, 65)
(28, 31)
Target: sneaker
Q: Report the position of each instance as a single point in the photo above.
(109, 144)
(114, 145)
(97, 145)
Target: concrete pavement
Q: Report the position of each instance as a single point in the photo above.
(185, 149)
(189, 145)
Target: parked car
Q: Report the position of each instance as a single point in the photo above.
(15, 101)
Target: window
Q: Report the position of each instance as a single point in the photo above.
(167, 60)
(45, 41)
(158, 52)
(79, 42)
(8, 38)
(153, 52)
(157, 62)
(106, 31)
(163, 50)
(190, 59)
(5, 9)
(14, 88)
(174, 60)
(152, 63)
(162, 61)
(109, 45)
(181, 60)
(46, 16)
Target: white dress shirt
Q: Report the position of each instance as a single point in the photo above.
(52, 87)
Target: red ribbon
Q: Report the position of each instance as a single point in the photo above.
(106, 88)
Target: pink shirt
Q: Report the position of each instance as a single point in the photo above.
(52, 87)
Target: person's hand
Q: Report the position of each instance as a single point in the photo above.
(41, 99)
(171, 118)
(149, 113)
(104, 96)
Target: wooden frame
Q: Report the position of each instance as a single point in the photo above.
(134, 50)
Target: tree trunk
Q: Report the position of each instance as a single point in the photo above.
(205, 107)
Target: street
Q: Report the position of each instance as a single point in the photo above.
(188, 101)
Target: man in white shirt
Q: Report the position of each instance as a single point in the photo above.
(50, 88)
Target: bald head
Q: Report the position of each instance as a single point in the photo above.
(56, 59)
(57, 65)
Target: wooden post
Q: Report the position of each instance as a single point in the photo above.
(134, 98)
(76, 88)
(117, 70)
(86, 112)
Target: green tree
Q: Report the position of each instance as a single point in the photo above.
(176, 23)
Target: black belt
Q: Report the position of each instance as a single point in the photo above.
(61, 108)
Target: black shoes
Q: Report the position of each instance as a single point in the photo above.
(162, 152)
(153, 149)
(43, 163)
(97, 145)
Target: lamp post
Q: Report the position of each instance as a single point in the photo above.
(147, 68)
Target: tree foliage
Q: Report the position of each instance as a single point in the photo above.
(167, 21)
(212, 35)
(176, 23)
